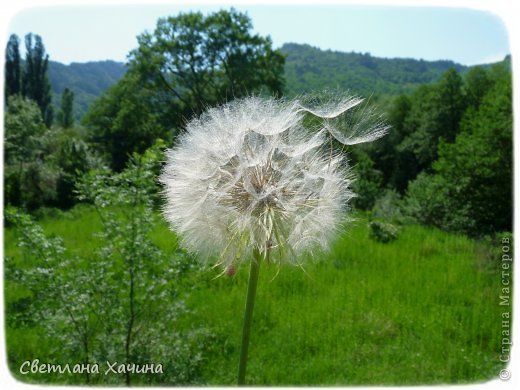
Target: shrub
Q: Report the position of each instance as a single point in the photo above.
(124, 301)
(388, 207)
(426, 200)
(382, 231)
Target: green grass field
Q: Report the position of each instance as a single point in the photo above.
(423, 309)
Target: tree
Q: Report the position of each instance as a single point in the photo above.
(147, 300)
(124, 121)
(13, 77)
(478, 167)
(27, 180)
(477, 83)
(189, 62)
(73, 158)
(70, 301)
(203, 60)
(417, 147)
(470, 189)
(368, 183)
(66, 116)
(123, 301)
(36, 84)
(384, 153)
(450, 104)
(41, 165)
(433, 113)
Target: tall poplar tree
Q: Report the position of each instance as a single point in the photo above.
(36, 84)
(13, 76)
(65, 116)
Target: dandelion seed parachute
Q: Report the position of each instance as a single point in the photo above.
(249, 176)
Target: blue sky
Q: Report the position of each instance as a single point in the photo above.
(82, 33)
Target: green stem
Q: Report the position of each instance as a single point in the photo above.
(248, 315)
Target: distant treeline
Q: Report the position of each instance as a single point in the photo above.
(306, 69)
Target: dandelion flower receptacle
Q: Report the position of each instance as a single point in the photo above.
(248, 181)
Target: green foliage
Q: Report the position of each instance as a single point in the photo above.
(74, 158)
(41, 165)
(68, 298)
(395, 165)
(410, 147)
(88, 81)
(205, 60)
(30, 77)
(426, 200)
(189, 62)
(471, 190)
(434, 114)
(65, 116)
(449, 151)
(477, 83)
(382, 231)
(368, 183)
(23, 127)
(35, 81)
(149, 295)
(449, 104)
(28, 181)
(125, 121)
(310, 69)
(122, 300)
(388, 207)
(13, 76)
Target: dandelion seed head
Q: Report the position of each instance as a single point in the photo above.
(249, 176)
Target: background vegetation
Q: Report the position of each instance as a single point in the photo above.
(306, 69)
(407, 296)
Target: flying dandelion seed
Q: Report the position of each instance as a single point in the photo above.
(249, 182)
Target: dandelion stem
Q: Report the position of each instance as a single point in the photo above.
(248, 314)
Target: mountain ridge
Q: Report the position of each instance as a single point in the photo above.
(88, 81)
(307, 68)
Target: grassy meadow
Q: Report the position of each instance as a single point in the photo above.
(422, 309)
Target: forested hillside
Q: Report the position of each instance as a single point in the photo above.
(87, 80)
(308, 68)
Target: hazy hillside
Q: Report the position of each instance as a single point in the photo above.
(309, 68)
(88, 81)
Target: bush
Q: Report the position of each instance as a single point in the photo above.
(124, 301)
(28, 181)
(426, 200)
(493, 249)
(382, 231)
(388, 207)
(368, 181)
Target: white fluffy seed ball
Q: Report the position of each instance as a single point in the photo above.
(249, 176)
